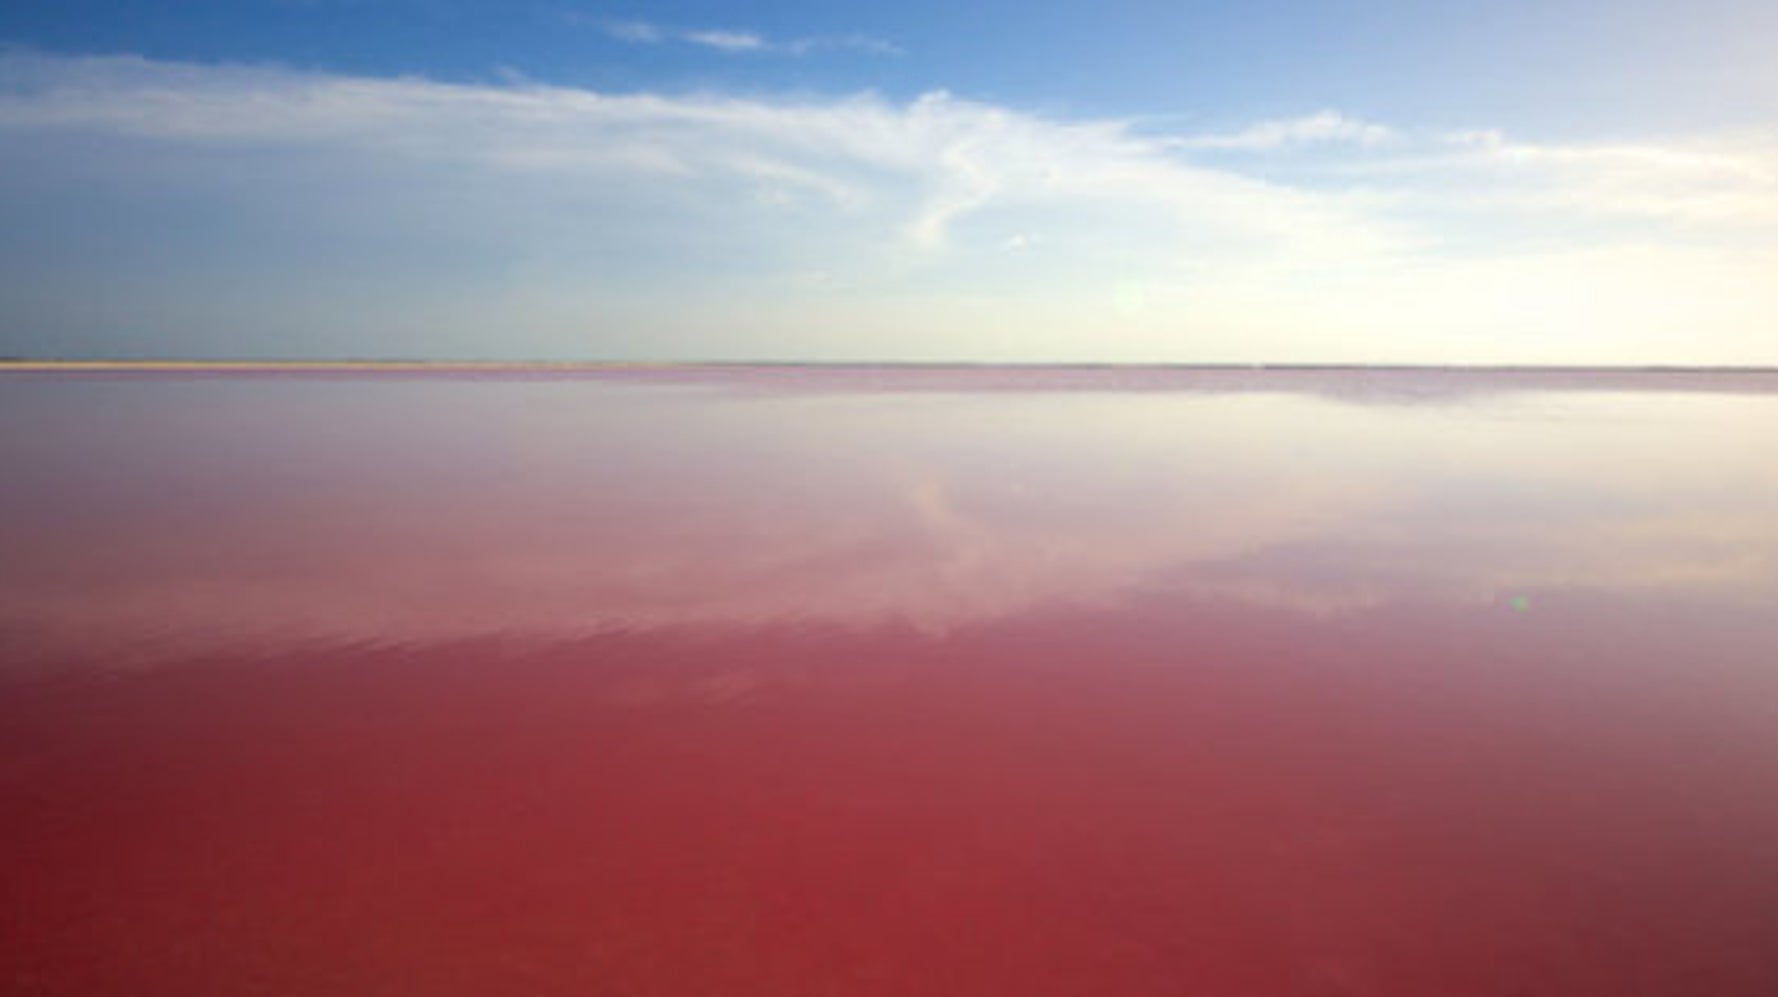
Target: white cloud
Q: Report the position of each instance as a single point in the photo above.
(1323, 127)
(640, 32)
(939, 159)
(641, 224)
(1731, 181)
(727, 41)
(741, 42)
(855, 42)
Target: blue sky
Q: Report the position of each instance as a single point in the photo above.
(1568, 181)
(1572, 67)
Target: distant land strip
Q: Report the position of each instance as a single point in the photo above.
(1380, 383)
(24, 364)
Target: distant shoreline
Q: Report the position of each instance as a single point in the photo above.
(594, 366)
(1363, 382)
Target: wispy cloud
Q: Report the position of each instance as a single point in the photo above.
(1320, 128)
(727, 41)
(640, 32)
(854, 42)
(348, 215)
(739, 41)
(1729, 180)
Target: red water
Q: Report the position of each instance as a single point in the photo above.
(492, 686)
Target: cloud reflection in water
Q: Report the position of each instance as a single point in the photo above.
(180, 513)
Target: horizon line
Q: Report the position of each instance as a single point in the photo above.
(330, 364)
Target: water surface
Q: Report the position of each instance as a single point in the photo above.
(926, 682)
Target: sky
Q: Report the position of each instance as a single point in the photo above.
(1570, 181)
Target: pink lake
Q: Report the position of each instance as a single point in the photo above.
(898, 682)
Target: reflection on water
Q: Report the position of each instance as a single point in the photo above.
(202, 512)
(794, 682)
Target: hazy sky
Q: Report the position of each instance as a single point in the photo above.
(1564, 181)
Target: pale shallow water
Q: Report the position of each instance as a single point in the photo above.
(913, 682)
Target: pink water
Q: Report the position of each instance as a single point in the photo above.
(802, 683)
